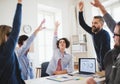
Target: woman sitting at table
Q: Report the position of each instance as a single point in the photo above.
(61, 62)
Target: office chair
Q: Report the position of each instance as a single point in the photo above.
(44, 66)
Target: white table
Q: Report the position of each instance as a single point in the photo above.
(44, 80)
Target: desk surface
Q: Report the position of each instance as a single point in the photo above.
(44, 80)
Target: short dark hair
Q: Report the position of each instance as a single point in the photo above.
(100, 18)
(66, 41)
(22, 38)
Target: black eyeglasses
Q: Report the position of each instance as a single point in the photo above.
(116, 35)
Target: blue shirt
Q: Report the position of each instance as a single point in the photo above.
(9, 66)
(66, 60)
(25, 65)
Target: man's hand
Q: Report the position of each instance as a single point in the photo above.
(96, 3)
(19, 1)
(81, 5)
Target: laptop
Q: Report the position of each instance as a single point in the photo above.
(87, 66)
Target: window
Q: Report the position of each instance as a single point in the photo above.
(45, 37)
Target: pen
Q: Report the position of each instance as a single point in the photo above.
(70, 74)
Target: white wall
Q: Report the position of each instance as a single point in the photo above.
(29, 12)
(7, 9)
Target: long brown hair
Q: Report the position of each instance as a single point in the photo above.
(4, 31)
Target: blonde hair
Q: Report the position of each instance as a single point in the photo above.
(4, 31)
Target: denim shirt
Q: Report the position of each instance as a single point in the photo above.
(26, 68)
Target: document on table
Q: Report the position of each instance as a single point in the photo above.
(60, 78)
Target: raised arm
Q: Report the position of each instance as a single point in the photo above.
(55, 35)
(108, 19)
(12, 39)
(22, 50)
(81, 19)
(40, 27)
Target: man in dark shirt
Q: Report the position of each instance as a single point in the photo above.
(101, 38)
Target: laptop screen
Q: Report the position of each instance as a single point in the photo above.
(87, 65)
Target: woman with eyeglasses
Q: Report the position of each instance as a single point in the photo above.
(9, 66)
